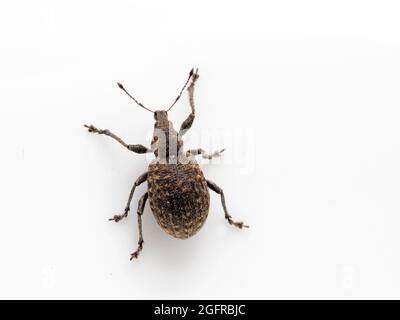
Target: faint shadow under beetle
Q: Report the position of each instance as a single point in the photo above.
(177, 190)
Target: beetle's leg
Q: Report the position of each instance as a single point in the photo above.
(142, 178)
(138, 148)
(204, 154)
(228, 217)
(187, 124)
(142, 203)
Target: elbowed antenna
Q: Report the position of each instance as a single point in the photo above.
(137, 102)
(180, 93)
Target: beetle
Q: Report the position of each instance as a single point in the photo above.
(177, 189)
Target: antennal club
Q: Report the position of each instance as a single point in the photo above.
(137, 102)
(180, 93)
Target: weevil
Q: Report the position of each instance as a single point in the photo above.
(177, 189)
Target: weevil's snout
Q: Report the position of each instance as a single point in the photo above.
(161, 116)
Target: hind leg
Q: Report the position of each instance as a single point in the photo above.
(142, 178)
(142, 203)
(228, 217)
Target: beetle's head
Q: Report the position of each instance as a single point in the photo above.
(161, 117)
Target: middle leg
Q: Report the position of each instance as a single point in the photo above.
(228, 217)
(204, 154)
(142, 178)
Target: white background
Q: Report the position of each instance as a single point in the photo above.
(309, 91)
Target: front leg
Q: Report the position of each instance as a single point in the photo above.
(204, 154)
(228, 217)
(187, 124)
(138, 148)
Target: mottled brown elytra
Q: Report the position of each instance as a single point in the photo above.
(177, 190)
